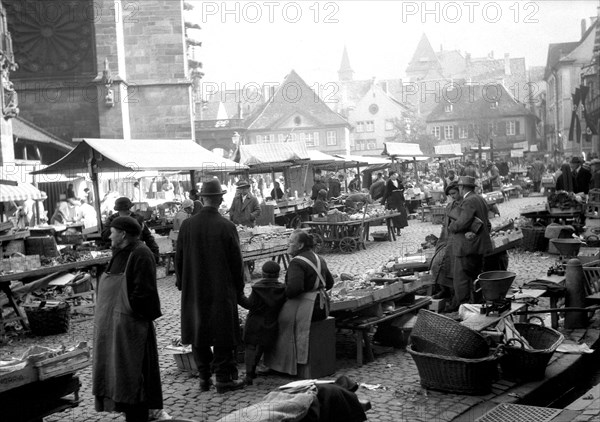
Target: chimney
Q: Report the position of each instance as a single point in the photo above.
(583, 27)
(507, 64)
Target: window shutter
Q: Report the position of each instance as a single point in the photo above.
(518, 128)
(456, 132)
(501, 129)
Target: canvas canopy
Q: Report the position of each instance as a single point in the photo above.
(280, 154)
(452, 150)
(133, 155)
(403, 151)
(19, 191)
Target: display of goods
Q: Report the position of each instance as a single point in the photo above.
(18, 264)
(66, 362)
(563, 201)
(267, 240)
(504, 239)
(336, 216)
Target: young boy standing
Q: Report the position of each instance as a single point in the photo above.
(261, 329)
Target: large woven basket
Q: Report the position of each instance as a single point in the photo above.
(591, 272)
(534, 239)
(435, 333)
(48, 320)
(455, 375)
(524, 364)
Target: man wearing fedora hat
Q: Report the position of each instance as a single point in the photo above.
(123, 207)
(244, 208)
(209, 271)
(471, 241)
(581, 176)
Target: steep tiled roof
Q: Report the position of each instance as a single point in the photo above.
(475, 103)
(424, 57)
(555, 52)
(293, 96)
(24, 130)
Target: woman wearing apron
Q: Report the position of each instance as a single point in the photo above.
(306, 282)
(125, 373)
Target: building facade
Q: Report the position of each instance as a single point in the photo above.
(103, 69)
(483, 116)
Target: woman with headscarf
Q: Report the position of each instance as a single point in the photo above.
(565, 180)
(393, 199)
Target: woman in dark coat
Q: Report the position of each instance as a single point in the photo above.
(126, 373)
(393, 199)
(565, 180)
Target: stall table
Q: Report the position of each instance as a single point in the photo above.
(6, 279)
(277, 253)
(34, 401)
(354, 314)
(480, 322)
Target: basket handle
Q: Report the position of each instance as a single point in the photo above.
(515, 340)
(538, 318)
(477, 290)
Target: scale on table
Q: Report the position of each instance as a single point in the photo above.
(568, 249)
(494, 286)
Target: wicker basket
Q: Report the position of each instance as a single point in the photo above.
(455, 375)
(46, 320)
(591, 272)
(524, 364)
(534, 238)
(435, 333)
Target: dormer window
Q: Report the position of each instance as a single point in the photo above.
(494, 105)
(448, 108)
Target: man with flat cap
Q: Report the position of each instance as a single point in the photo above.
(244, 208)
(126, 373)
(471, 233)
(123, 207)
(209, 270)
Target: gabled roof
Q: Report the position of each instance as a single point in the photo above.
(555, 53)
(474, 103)
(24, 130)
(293, 95)
(424, 57)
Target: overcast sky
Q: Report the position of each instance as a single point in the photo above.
(261, 41)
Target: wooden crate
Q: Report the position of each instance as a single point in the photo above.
(65, 363)
(14, 379)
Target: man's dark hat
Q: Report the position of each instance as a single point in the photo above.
(466, 181)
(271, 269)
(576, 160)
(242, 184)
(123, 204)
(128, 225)
(212, 188)
(451, 185)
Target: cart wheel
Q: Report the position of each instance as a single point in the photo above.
(348, 245)
(295, 222)
(318, 241)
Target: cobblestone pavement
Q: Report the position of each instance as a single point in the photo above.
(398, 396)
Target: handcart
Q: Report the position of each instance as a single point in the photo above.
(347, 236)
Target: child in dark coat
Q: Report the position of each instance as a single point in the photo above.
(264, 304)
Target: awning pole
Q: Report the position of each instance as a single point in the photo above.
(416, 170)
(192, 179)
(93, 172)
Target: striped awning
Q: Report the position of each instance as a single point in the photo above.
(20, 192)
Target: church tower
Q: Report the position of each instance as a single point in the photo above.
(345, 73)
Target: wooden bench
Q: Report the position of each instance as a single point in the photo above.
(361, 325)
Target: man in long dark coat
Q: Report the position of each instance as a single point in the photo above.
(471, 242)
(208, 265)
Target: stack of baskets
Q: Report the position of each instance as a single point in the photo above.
(451, 357)
(529, 364)
(534, 238)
